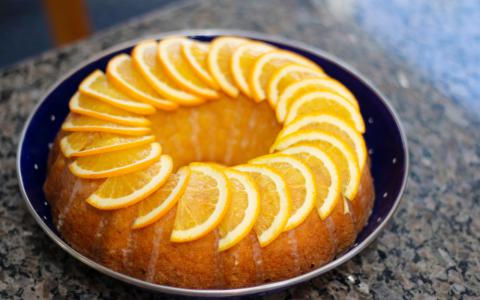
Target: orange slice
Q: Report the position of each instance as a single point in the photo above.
(243, 212)
(203, 205)
(329, 103)
(275, 202)
(116, 163)
(97, 86)
(196, 54)
(125, 190)
(304, 86)
(341, 154)
(327, 178)
(79, 123)
(161, 201)
(266, 64)
(300, 181)
(171, 57)
(219, 63)
(89, 143)
(284, 76)
(145, 59)
(91, 107)
(242, 61)
(331, 125)
(125, 77)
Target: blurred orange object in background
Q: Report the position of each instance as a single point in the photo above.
(68, 20)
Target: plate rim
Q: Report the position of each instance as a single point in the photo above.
(218, 293)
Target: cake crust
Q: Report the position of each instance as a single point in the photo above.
(108, 238)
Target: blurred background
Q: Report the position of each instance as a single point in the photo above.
(30, 27)
(439, 38)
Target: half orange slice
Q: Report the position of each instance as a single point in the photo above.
(91, 107)
(243, 212)
(266, 64)
(145, 59)
(219, 63)
(96, 85)
(275, 201)
(161, 201)
(89, 143)
(80, 123)
(203, 204)
(124, 76)
(116, 163)
(171, 57)
(125, 190)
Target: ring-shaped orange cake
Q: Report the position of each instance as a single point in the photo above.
(210, 165)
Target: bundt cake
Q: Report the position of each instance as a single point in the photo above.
(210, 165)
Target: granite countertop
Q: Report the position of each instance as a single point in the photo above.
(431, 247)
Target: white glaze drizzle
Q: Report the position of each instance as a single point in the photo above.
(193, 120)
(61, 216)
(251, 126)
(292, 241)
(257, 258)
(331, 232)
(127, 250)
(218, 262)
(152, 262)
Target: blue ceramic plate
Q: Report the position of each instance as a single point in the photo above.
(384, 136)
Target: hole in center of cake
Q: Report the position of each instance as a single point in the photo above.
(226, 131)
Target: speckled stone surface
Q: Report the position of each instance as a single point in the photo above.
(430, 249)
